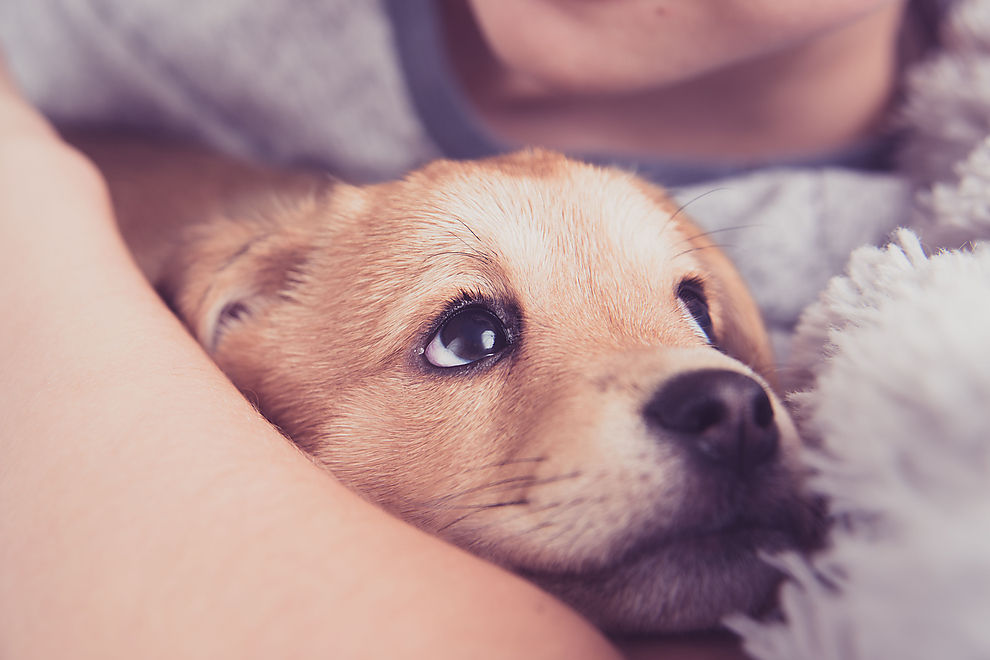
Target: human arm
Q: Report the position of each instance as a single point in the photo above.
(147, 511)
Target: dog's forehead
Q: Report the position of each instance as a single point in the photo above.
(532, 196)
(561, 223)
(586, 259)
(586, 251)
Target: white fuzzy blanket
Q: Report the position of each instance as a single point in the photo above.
(901, 400)
(894, 362)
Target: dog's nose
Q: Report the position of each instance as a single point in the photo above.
(724, 417)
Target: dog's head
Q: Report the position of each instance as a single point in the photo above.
(539, 360)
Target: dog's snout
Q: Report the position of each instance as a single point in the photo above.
(724, 417)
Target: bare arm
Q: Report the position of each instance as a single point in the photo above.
(147, 511)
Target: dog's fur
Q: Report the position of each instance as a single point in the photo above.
(317, 298)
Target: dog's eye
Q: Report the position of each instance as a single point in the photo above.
(692, 296)
(469, 335)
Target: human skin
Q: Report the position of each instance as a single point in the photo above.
(148, 511)
(725, 80)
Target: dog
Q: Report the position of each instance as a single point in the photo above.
(539, 360)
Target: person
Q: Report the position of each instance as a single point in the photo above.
(147, 509)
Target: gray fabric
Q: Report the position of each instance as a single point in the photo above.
(314, 83)
(791, 229)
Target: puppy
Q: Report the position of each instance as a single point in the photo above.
(539, 360)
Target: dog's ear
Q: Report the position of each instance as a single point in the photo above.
(230, 269)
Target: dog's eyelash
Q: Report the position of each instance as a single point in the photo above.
(694, 303)
(506, 317)
(450, 501)
(464, 299)
(484, 259)
(698, 330)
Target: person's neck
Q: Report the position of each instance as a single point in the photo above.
(816, 98)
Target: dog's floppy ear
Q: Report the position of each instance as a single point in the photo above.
(230, 270)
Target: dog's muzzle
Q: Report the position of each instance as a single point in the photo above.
(723, 417)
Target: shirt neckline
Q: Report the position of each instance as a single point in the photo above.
(448, 117)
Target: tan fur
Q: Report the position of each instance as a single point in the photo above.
(539, 460)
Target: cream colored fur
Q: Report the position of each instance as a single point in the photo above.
(317, 299)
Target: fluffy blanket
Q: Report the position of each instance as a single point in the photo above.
(893, 368)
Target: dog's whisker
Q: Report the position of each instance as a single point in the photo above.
(695, 199)
(531, 512)
(543, 524)
(494, 505)
(472, 248)
(478, 508)
(546, 507)
(511, 482)
(455, 521)
(465, 225)
(541, 509)
(684, 206)
(718, 246)
(412, 220)
(560, 477)
(535, 528)
(566, 529)
(522, 502)
(477, 256)
(507, 462)
(721, 230)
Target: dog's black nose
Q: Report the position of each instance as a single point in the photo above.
(724, 417)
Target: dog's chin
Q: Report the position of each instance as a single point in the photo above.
(676, 584)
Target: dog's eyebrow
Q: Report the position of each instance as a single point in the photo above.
(465, 225)
(472, 248)
(717, 246)
(476, 255)
(691, 201)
